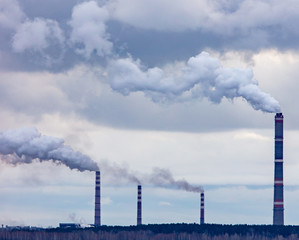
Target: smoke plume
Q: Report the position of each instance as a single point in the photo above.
(201, 76)
(26, 144)
(164, 178)
(158, 177)
(118, 172)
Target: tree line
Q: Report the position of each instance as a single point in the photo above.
(159, 232)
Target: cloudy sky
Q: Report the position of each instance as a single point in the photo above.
(189, 86)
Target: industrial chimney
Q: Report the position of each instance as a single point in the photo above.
(97, 209)
(202, 208)
(278, 210)
(139, 206)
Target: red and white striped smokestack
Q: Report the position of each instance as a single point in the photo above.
(202, 208)
(139, 205)
(278, 210)
(97, 210)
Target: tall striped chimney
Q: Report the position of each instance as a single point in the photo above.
(278, 210)
(202, 208)
(139, 206)
(97, 209)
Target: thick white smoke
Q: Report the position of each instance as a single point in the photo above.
(201, 76)
(26, 144)
(158, 177)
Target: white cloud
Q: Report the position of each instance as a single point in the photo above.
(89, 29)
(106, 201)
(252, 14)
(224, 17)
(38, 35)
(39, 95)
(160, 15)
(11, 14)
(245, 135)
(164, 203)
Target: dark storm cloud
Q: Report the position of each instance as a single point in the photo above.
(162, 31)
(221, 25)
(159, 47)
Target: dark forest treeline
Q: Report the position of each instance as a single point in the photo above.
(160, 232)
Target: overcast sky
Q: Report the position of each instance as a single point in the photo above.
(189, 86)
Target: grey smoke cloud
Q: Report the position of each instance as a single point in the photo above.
(163, 178)
(26, 144)
(201, 76)
(158, 177)
(118, 172)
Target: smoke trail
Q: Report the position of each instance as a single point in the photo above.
(118, 172)
(201, 76)
(26, 144)
(164, 178)
(158, 177)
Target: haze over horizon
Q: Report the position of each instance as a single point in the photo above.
(190, 88)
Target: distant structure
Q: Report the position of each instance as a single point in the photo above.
(202, 208)
(278, 210)
(97, 209)
(69, 225)
(139, 206)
